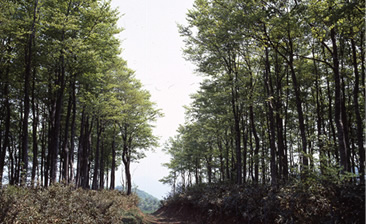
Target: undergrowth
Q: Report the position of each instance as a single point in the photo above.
(65, 204)
(291, 203)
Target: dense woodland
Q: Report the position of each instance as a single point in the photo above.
(71, 109)
(283, 98)
(275, 134)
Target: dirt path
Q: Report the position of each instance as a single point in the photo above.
(164, 216)
(164, 220)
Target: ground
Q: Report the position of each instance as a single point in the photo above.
(172, 216)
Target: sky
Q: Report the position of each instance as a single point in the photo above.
(153, 47)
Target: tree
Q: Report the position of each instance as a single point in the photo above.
(279, 76)
(63, 79)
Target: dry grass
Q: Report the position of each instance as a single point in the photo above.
(65, 204)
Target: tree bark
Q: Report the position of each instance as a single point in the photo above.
(319, 116)
(271, 122)
(113, 169)
(27, 76)
(256, 139)
(80, 149)
(126, 162)
(283, 166)
(6, 144)
(96, 159)
(101, 174)
(34, 132)
(65, 147)
(235, 109)
(338, 105)
(73, 132)
(221, 156)
(358, 114)
(295, 84)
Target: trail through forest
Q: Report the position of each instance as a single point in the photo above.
(171, 216)
(164, 219)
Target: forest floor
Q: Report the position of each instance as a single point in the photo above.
(172, 216)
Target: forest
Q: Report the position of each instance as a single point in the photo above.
(71, 109)
(283, 96)
(280, 112)
(275, 133)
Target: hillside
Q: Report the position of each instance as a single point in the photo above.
(291, 203)
(147, 202)
(65, 204)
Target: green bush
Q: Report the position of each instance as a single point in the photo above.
(291, 203)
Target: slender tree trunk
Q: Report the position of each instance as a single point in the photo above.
(263, 159)
(250, 175)
(363, 68)
(283, 168)
(113, 169)
(126, 162)
(101, 174)
(55, 142)
(43, 153)
(12, 165)
(235, 109)
(34, 132)
(65, 147)
(73, 132)
(209, 164)
(271, 123)
(221, 156)
(227, 154)
(80, 149)
(27, 76)
(6, 144)
(359, 121)
(338, 105)
(332, 134)
(256, 139)
(196, 171)
(96, 160)
(18, 153)
(319, 116)
(286, 168)
(233, 163)
(298, 107)
(84, 154)
(84, 166)
(245, 150)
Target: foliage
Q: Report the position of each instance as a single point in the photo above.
(282, 97)
(65, 204)
(71, 109)
(147, 203)
(291, 203)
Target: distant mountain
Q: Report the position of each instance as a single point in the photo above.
(148, 203)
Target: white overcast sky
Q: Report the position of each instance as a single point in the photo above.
(152, 47)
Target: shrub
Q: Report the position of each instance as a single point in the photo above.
(291, 203)
(65, 204)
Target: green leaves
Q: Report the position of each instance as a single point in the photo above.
(270, 69)
(78, 81)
